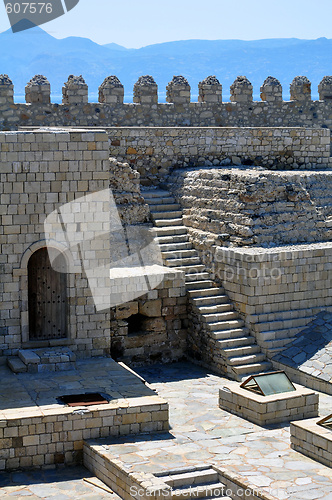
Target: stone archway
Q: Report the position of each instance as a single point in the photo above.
(47, 297)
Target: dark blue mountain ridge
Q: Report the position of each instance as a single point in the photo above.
(26, 53)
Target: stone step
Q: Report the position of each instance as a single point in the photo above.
(225, 325)
(179, 254)
(154, 193)
(167, 215)
(16, 365)
(48, 359)
(210, 291)
(168, 222)
(200, 285)
(197, 277)
(185, 261)
(283, 324)
(242, 372)
(244, 350)
(219, 317)
(236, 342)
(170, 247)
(217, 308)
(214, 490)
(246, 360)
(171, 230)
(174, 239)
(230, 333)
(289, 333)
(190, 478)
(168, 207)
(276, 343)
(214, 300)
(192, 269)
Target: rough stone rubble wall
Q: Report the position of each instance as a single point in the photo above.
(154, 152)
(253, 207)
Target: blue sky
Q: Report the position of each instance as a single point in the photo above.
(136, 23)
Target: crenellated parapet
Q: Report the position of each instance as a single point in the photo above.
(75, 91)
(210, 90)
(111, 91)
(145, 90)
(241, 90)
(146, 110)
(178, 91)
(300, 89)
(271, 90)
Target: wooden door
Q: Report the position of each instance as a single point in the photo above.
(47, 298)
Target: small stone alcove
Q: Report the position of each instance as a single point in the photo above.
(137, 324)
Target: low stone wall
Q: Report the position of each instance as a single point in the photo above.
(56, 436)
(156, 151)
(312, 440)
(267, 410)
(277, 290)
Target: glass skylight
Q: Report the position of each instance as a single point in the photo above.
(267, 384)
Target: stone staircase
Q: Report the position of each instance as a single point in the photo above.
(241, 355)
(48, 359)
(204, 483)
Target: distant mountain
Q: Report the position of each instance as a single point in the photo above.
(34, 51)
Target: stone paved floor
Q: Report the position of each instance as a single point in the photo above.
(56, 484)
(34, 394)
(202, 433)
(311, 349)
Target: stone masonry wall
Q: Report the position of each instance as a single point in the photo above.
(253, 207)
(154, 152)
(75, 110)
(278, 290)
(160, 333)
(40, 171)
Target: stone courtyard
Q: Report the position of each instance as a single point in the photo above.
(213, 231)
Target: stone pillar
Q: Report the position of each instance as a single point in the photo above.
(300, 89)
(271, 90)
(178, 91)
(38, 90)
(241, 90)
(210, 90)
(75, 91)
(111, 91)
(146, 90)
(325, 89)
(6, 91)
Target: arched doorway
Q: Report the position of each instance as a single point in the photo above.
(47, 297)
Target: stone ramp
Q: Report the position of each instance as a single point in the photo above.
(234, 350)
(308, 358)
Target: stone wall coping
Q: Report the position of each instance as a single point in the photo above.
(236, 252)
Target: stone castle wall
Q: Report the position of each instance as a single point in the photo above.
(178, 111)
(156, 151)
